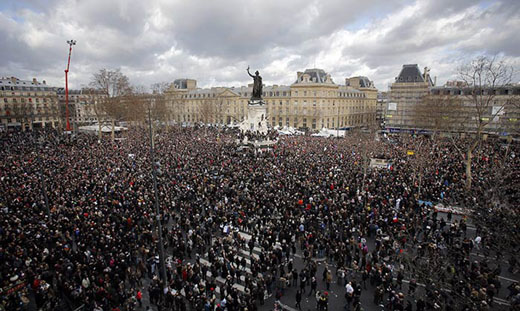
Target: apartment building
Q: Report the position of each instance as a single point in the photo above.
(312, 102)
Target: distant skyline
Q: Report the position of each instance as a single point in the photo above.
(214, 41)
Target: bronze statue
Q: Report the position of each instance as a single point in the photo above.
(257, 85)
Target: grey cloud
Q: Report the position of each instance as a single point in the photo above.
(234, 29)
(442, 8)
(417, 40)
(213, 41)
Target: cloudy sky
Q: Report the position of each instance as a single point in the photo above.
(213, 41)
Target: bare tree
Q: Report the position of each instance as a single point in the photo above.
(24, 112)
(160, 109)
(510, 118)
(220, 107)
(439, 113)
(114, 85)
(207, 111)
(174, 104)
(135, 105)
(482, 76)
(501, 179)
(95, 100)
(160, 87)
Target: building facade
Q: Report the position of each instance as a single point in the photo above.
(416, 104)
(382, 103)
(28, 104)
(83, 106)
(312, 102)
(33, 104)
(457, 108)
(409, 89)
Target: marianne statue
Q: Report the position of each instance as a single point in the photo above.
(257, 85)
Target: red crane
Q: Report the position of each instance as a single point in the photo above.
(71, 43)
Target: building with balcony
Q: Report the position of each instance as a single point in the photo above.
(32, 104)
(28, 104)
(83, 106)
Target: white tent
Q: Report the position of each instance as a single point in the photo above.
(324, 132)
(104, 128)
(287, 130)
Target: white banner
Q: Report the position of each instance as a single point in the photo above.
(497, 110)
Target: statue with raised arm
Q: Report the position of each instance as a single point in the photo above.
(257, 85)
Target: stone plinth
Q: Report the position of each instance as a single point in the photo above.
(256, 117)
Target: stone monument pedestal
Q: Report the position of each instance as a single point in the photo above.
(256, 117)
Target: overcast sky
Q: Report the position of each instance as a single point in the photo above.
(213, 41)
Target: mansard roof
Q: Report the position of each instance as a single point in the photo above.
(364, 82)
(409, 73)
(316, 76)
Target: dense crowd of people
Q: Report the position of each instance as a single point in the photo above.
(77, 221)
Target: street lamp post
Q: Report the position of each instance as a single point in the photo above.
(157, 209)
(70, 43)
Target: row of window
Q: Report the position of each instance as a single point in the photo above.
(48, 94)
(269, 103)
(513, 91)
(39, 117)
(324, 109)
(328, 122)
(29, 94)
(278, 94)
(17, 108)
(26, 88)
(22, 100)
